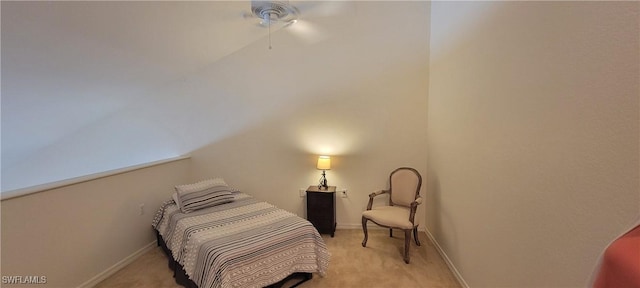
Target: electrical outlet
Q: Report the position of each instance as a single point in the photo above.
(303, 192)
(142, 209)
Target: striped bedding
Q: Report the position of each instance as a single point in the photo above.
(245, 243)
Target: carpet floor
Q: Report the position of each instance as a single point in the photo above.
(380, 264)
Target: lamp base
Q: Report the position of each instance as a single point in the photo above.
(323, 181)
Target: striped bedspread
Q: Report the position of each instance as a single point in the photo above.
(245, 243)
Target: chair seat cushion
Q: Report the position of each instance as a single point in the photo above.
(391, 216)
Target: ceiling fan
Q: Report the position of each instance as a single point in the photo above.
(282, 14)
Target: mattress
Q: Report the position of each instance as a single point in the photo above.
(245, 243)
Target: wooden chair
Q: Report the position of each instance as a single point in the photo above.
(404, 198)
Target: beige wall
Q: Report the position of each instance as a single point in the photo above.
(533, 137)
(360, 96)
(74, 233)
(532, 141)
(260, 117)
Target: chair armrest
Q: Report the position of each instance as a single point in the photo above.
(414, 207)
(378, 193)
(373, 195)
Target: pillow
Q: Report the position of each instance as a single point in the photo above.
(199, 186)
(176, 199)
(203, 194)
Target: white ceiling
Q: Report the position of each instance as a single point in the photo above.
(78, 68)
(96, 56)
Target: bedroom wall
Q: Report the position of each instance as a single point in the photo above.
(360, 96)
(257, 117)
(533, 137)
(73, 234)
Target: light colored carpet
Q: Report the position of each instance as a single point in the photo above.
(380, 264)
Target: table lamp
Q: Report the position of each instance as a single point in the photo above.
(324, 163)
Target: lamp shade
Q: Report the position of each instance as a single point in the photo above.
(324, 163)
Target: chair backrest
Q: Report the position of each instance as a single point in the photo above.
(404, 186)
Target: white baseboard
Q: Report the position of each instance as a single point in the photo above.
(116, 267)
(444, 256)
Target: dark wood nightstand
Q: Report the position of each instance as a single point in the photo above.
(321, 209)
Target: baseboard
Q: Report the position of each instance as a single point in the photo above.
(115, 268)
(444, 256)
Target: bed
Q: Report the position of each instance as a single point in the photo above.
(238, 242)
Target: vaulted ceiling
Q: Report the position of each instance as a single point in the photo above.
(94, 57)
(112, 82)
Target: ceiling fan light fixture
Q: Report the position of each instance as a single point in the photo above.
(281, 14)
(274, 11)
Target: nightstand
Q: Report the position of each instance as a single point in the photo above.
(321, 209)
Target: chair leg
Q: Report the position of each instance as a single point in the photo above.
(415, 235)
(364, 228)
(407, 242)
(390, 232)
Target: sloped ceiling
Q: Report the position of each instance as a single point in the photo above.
(94, 86)
(94, 57)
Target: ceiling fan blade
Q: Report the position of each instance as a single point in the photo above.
(247, 15)
(322, 8)
(308, 32)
